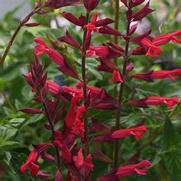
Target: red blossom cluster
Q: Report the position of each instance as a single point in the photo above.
(81, 97)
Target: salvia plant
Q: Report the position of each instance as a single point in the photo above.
(77, 139)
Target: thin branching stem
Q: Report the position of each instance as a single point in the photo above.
(58, 160)
(12, 39)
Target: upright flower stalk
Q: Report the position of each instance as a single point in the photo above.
(69, 106)
(121, 87)
(84, 80)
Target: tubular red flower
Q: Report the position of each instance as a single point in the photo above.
(154, 101)
(127, 170)
(137, 132)
(70, 40)
(117, 77)
(98, 98)
(43, 48)
(90, 4)
(139, 168)
(85, 166)
(81, 21)
(142, 13)
(152, 44)
(32, 159)
(78, 124)
(159, 74)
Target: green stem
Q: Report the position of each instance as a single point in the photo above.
(120, 95)
(84, 79)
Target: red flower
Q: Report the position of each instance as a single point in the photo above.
(139, 168)
(155, 100)
(123, 171)
(152, 44)
(81, 21)
(109, 50)
(117, 77)
(142, 13)
(98, 51)
(90, 27)
(78, 124)
(99, 98)
(85, 166)
(32, 159)
(90, 4)
(137, 132)
(70, 40)
(106, 65)
(43, 48)
(159, 74)
(153, 50)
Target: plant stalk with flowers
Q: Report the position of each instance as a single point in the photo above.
(73, 131)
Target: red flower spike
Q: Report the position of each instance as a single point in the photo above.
(137, 132)
(70, 40)
(43, 48)
(60, 3)
(155, 101)
(124, 171)
(142, 13)
(159, 74)
(85, 166)
(90, 4)
(117, 77)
